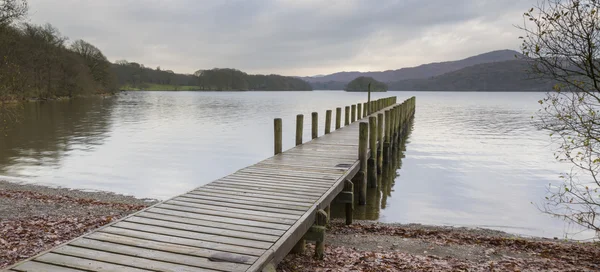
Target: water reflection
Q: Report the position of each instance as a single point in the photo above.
(49, 131)
(377, 198)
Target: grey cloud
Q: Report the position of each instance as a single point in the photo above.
(286, 36)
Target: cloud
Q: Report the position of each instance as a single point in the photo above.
(288, 37)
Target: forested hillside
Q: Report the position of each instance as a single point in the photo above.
(499, 76)
(37, 62)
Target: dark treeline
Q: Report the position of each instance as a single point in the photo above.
(136, 76)
(38, 63)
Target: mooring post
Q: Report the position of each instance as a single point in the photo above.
(386, 140)
(338, 118)
(353, 114)
(299, 128)
(327, 121)
(372, 162)
(380, 142)
(349, 197)
(359, 111)
(392, 126)
(320, 222)
(347, 116)
(315, 125)
(363, 142)
(277, 125)
(365, 109)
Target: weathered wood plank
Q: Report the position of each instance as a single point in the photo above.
(221, 219)
(202, 229)
(84, 264)
(232, 210)
(120, 259)
(286, 193)
(261, 188)
(251, 198)
(34, 266)
(283, 221)
(206, 223)
(215, 199)
(168, 247)
(240, 206)
(259, 195)
(160, 255)
(151, 236)
(271, 184)
(194, 235)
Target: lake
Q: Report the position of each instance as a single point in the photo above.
(472, 159)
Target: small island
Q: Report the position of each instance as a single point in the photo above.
(361, 84)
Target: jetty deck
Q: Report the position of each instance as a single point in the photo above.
(249, 220)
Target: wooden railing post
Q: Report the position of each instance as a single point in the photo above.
(338, 118)
(327, 121)
(277, 126)
(380, 142)
(347, 116)
(365, 109)
(372, 162)
(353, 114)
(349, 190)
(299, 128)
(386, 140)
(315, 125)
(319, 228)
(359, 111)
(362, 156)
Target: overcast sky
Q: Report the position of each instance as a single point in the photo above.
(288, 37)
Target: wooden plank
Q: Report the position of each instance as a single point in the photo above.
(232, 210)
(272, 184)
(202, 229)
(284, 180)
(262, 188)
(182, 241)
(206, 223)
(286, 193)
(158, 255)
(120, 259)
(284, 172)
(216, 199)
(276, 220)
(173, 248)
(265, 196)
(321, 166)
(240, 206)
(194, 235)
(34, 266)
(84, 264)
(241, 222)
(251, 198)
(299, 169)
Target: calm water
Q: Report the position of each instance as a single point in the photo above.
(472, 159)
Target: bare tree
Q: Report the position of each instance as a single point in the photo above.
(11, 10)
(561, 42)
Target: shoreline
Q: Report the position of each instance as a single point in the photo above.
(35, 218)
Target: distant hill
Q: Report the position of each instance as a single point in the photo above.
(421, 71)
(496, 76)
(361, 84)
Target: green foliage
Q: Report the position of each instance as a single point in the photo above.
(235, 80)
(361, 84)
(159, 87)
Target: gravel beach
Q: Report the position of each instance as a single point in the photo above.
(35, 218)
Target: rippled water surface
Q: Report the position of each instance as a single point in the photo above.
(472, 159)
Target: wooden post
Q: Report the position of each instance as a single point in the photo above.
(338, 118)
(320, 222)
(372, 162)
(299, 128)
(349, 189)
(328, 211)
(327, 121)
(363, 142)
(315, 125)
(386, 140)
(359, 111)
(365, 109)
(353, 114)
(277, 125)
(347, 116)
(392, 126)
(380, 141)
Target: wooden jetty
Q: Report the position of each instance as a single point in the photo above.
(251, 219)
